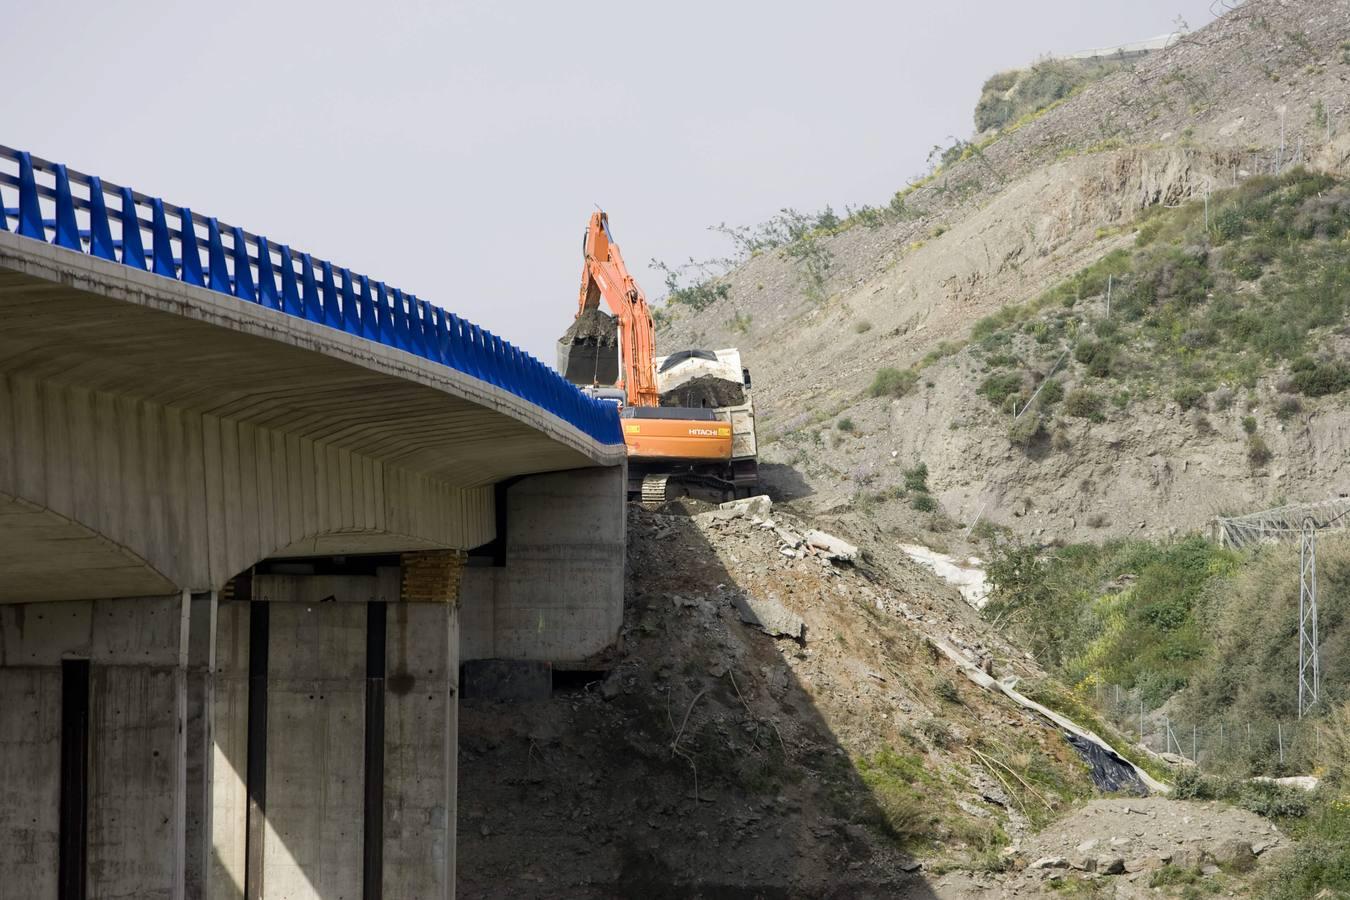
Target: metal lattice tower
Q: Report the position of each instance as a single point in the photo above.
(1309, 669)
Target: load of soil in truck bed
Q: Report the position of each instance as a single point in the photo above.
(705, 391)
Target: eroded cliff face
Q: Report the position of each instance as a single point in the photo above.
(1013, 219)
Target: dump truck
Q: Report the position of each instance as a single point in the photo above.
(688, 417)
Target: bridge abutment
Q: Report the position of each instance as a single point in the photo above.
(557, 593)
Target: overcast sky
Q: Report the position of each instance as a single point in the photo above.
(457, 149)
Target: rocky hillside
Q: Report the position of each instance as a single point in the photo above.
(780, 724)
(860, 332)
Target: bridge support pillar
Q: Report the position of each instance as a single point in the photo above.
(93, 762)
(336, 703)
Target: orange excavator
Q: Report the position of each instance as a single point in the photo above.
(676, 424)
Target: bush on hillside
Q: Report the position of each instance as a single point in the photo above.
(1318, 379)
(1097, 356)
(923, 502)
(999, 388)
(1027, 430)
(1189, 396)
(1267, 281)
(1085, 404)
(1008, 96)
(1258, 451)
(892, 382)
(1146, 636)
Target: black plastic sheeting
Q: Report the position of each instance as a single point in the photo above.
(1109, 772)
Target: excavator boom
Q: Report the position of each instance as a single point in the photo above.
(604, 275)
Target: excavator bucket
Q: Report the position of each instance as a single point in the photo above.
(588, 352)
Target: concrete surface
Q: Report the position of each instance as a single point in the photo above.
(156, 441)
(315, 751)
(421, 743)
(137, 650)
(30, 784)
(560, 595)
(177, 436)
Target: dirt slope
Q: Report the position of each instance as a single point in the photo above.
(852, 762)
(1002, 226)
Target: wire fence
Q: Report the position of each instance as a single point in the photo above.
(1226, 744)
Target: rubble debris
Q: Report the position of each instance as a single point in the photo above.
(594, 326)
(770, 617)
(758, 505)
(834, 548)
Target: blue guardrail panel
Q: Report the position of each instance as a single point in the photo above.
(361, 306)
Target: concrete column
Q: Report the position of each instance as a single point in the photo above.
(229, 755)
(315, 751)
(31, 646)
(137, 748)
(421, 744)
(135, 811)
(310, 830)
(200, 710)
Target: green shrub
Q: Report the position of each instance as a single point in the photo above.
(845, 424)
(1189, 396)
(862, 326)
(892, 382)
(923, 502)
(1274, 801)
(1097, 356)
(1051, 392)
(1144, 637)
(1287, 407)
(1315, 379)
(941, 351)
(998, 389)
(699, 296)
(1027, 430)
(1249, 424)
(916, 479)
(1010, 97)
(1084, 404)
(1258, 452)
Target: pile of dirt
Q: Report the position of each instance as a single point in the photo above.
(778, 723)
(593, 326)
(1124, 846)
(705, 392)
(588, 352)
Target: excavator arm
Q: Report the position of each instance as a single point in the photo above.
(604, 275)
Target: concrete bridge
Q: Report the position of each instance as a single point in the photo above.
(253, 507)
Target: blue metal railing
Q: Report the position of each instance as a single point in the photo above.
(251, 268)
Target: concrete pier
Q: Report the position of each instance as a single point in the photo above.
(126, 830)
